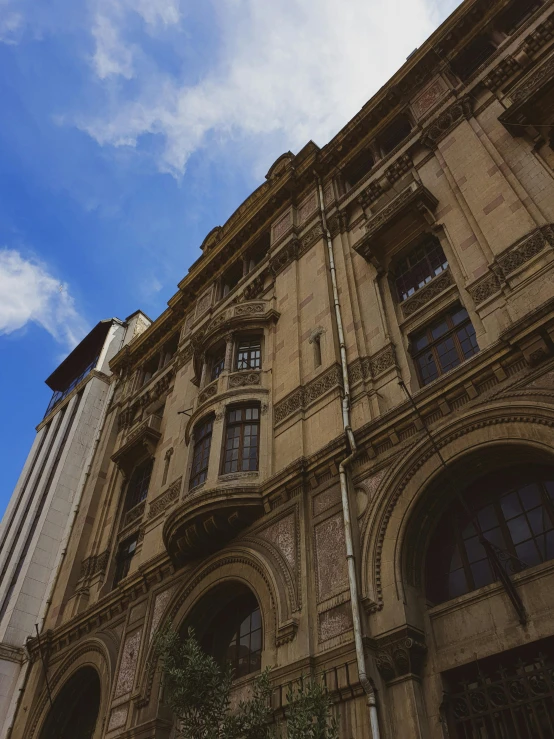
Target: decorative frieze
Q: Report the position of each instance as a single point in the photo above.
(166, 499)
(401, 654)
(526, 249)
(429, 97)
(304, 395)
(433, 289)
(330, 556)
(447, 121)
(382, 361)
(208, 393)
(244, 379)
(501, 73)
(335, 621)
(249, 309)
(128, 664)
(285, 256)
(401, 166)
(306, 209)
(134, 515)
(484, 288)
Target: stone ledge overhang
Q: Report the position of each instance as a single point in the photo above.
(205, 521)
(526, 98)
(142, 439)
(415, 203)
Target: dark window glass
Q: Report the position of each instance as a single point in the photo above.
(218, 364)
(242, 440)
(516, 14)
(234, 635)
(419, 267)
(394, 134)
(473, 55)
(123, 562)
(357, 169)
(139, 482)
(515, 512)
(249, 354)
(201, 454)
(443, 345)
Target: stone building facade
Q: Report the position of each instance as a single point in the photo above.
(362, 356)
(39, 518)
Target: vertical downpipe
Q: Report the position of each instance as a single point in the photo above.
(344, 467)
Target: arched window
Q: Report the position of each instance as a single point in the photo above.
(228, 624)
(74, 712)
(137, 489)
(515, 512)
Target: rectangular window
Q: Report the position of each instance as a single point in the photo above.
(419, 267)
(124, 556)
(242, 440)
(139, 483)
(201, 454)
(217, 365)
(443, 345)
(249, 354)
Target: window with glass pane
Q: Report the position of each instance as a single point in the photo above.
(244, 652)
(514, 510)
(124, 556)
(443, 345)
(249, 354)
(201, 454)
(242, 439)
(139, 482)
(217, 364)
(419, 267)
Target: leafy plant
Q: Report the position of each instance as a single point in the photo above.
(198, 691)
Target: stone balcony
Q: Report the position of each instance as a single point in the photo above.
(206, 519)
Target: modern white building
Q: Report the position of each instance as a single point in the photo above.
(39, 517)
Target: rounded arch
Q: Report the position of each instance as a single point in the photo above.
(76, 709)
(91, 655)
(391, 541)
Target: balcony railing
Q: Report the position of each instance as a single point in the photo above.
(59, 395)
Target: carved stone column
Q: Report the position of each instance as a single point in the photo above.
(229, 339)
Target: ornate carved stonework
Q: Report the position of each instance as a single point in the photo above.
(525, 249)
(249, 309)
(208, 393)
(533, 82)
(278, 262)
(95, 564)
(330, 555)
(282, 225)
(282, 534)
(118, 717)
(429, 97)
(335, 621)
(166, 499)
(485, 288)
(382, 361)
(244, 379)
(128, 664)
(401, 654)
(307, 394)
(306, 209)
(160, 604)
(310, 238)
(134, 515)
(434, 288)
(399, 168)
(447, 121)
(501, 73)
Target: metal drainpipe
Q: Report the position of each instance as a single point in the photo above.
(343, 476)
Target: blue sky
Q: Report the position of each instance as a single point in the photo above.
(130, 128)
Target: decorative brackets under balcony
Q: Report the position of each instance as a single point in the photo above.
(142, 440)
(410, 210)
(207, 520)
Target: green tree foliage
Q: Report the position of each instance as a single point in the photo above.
(198, 692)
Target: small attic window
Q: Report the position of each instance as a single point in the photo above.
(170, 348)
(516, 14)
(231, 278)
(399, 129)
(257, 251)
(357, 169)
(476, 53)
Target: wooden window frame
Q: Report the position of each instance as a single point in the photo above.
(405, 266)
(139, 492)
(123, 561)
(241, 424)
(250, 340)
(433, 344)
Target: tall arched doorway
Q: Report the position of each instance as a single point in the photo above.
(74, 713)
(228, 624)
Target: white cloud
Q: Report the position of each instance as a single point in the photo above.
(298, 69)
(28, 292)
(114, 54)
(11, 22)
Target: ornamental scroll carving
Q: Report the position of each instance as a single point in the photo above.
(447, 121)
(401, 654)
(530, 85)
(368, 368)
(244, 379)
(304, 395)
(208, 393)
(434, 288)
(284, 257)
(95, 565)
(532, 245)
(166, 499)
(485, 288)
